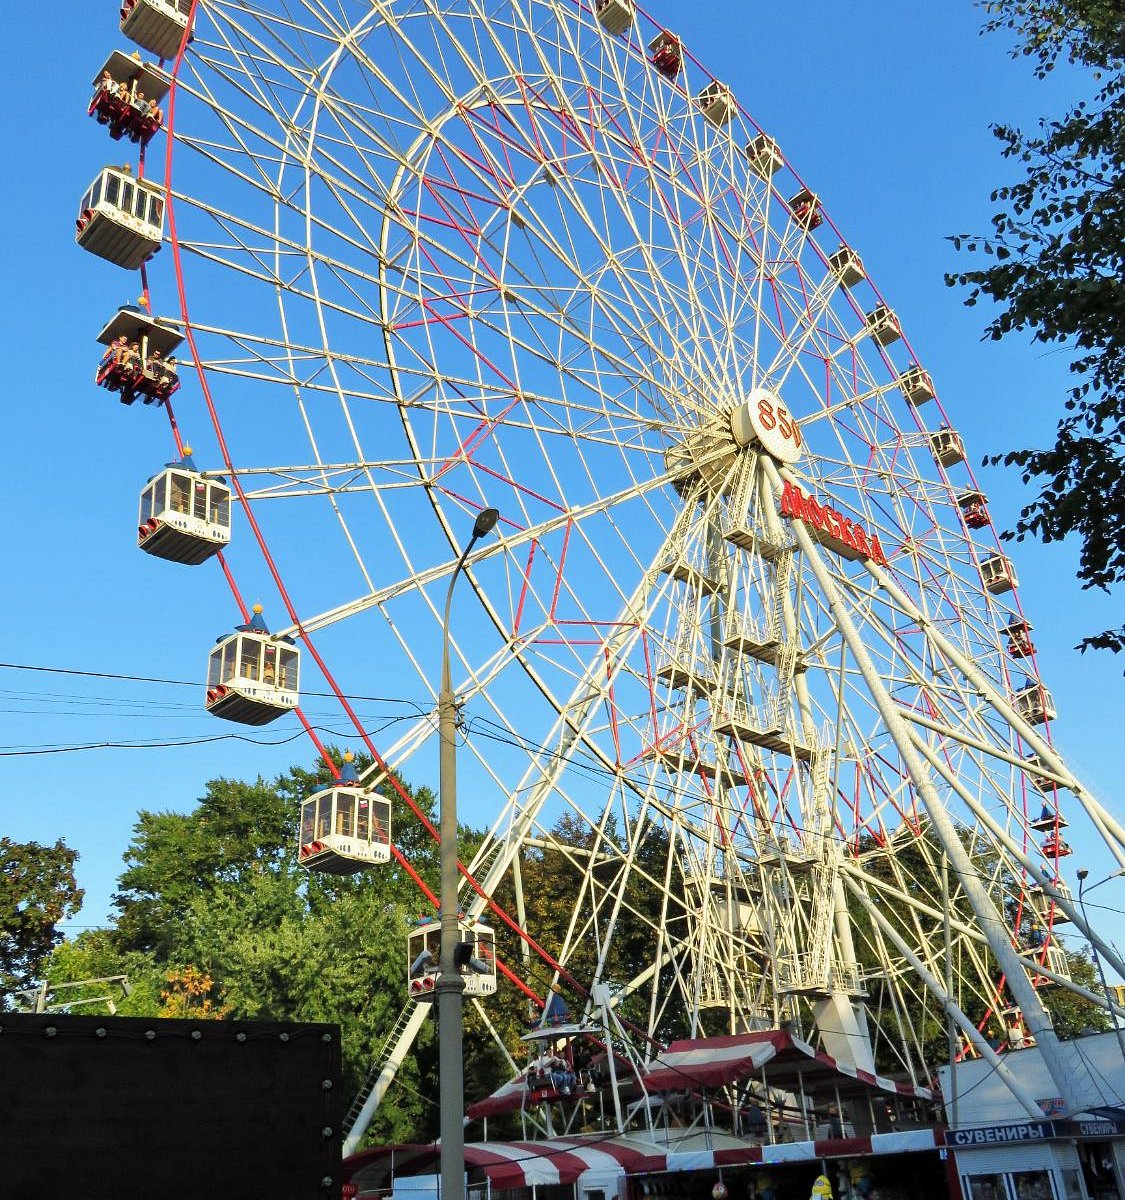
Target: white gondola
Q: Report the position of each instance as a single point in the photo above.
(764, 156)
(139, 359)
(476, 959)
(252, 676)
(127, 97)
(845, 264)
(121, 218)
(716, 102)
(947, 447)
(615, 16)
(916, 385)
(1035, 704)
(184, 517)
(998, 575)
(156, 25)
(345, 828)
(882, 324)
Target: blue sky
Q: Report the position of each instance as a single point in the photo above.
(883, 109)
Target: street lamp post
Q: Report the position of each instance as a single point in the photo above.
(450, 986)
(1083, 874)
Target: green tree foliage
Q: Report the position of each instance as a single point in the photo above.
(216, 894)
(1073, 1015)
(37, 891)
(1058, 270)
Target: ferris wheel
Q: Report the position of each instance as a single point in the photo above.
(743, 631)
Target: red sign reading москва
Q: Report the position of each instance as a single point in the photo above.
(831, 529)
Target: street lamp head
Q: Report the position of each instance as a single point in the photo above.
(486, 518)
(1083, 873)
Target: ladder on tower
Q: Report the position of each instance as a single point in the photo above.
(382, 1059)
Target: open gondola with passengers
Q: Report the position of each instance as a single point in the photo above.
(474, 956)
(139, 359)
(185, 516)
(127, 97)
(345, 827)
(252, 675)
(121, 218)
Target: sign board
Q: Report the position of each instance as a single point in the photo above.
(1000, 1135)
(831, 529)
(765, 420)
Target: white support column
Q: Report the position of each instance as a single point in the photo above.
(1034, 869)
(994, 929)
(1026, 1099)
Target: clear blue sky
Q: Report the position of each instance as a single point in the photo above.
(882, 108)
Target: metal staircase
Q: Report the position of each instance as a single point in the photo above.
(381, 1061)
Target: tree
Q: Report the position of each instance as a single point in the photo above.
(213, 900)
(1058, 270)
(37, 891)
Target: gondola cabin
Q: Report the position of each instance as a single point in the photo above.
(716, 103)
(121, 218)
(998, 575)
(1040, 782)
(184, 517)
(1035, 704)
(252, 676)
(156, 25)
(916, 386)
(1019, 638)
(947, 447)
(974, 507)
(476, 959)
(667, 53)
(139, 360)
(345, 828)
(764, 156)
(882, 324)
(845, 264)
(127, 97)
(615, 16)
(1050, 912)
(805, 207)
(1048, 820)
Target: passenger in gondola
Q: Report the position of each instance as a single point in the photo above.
(113, 357)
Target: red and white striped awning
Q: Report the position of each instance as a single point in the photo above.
(566, 1160)
(716, 1061)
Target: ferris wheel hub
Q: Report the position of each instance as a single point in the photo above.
(763, 420)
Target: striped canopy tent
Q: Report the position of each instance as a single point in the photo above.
(783, 1060)
(513, 1164)
(569, 1159)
